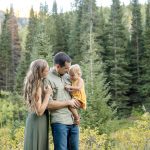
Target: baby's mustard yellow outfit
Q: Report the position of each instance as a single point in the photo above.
(79, 94)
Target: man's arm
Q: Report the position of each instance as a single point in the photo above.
(54, 105)
(57, 104)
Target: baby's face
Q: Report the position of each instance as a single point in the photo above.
(73, 76)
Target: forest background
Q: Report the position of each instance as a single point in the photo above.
(112, 45)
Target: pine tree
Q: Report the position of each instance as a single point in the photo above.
(5, 57)
(114, 58)
(96, 87)
(74, 44)
(41, 47)
(26, 55)
(68, 19)
(58, 33)
(10, 46)
(145, 79)
(135, 55)
(15, 48)
(30, 37)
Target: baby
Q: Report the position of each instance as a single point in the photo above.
(77, 90)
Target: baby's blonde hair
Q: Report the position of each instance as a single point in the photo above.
(76, 69)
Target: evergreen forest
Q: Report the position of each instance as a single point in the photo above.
(112, 46)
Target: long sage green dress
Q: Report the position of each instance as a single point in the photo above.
(36, 132)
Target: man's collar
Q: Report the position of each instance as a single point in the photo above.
(55, 72)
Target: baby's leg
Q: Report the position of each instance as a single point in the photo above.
(75, 114)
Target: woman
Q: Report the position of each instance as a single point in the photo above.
(37, 97)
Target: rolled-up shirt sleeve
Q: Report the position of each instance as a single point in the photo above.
(46, 82)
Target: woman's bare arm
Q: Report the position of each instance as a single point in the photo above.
(40, 106)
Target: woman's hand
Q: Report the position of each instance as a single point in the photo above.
(48, 90)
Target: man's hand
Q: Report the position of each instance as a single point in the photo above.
(74, 103)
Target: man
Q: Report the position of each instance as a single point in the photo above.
(65, 132)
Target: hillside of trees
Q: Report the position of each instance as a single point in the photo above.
(112, 46)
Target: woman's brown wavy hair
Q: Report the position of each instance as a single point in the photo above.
(33, 81)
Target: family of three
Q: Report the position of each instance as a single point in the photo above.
(57, 92)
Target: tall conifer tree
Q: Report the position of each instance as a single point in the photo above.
(96, 87)
(26, 54)
(41, 44)
(74, 44)
(114, 58)
(5, 57)
(135, 55)
(58, 35)
(145, 79)
(15, 48)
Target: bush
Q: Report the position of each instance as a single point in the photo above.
(90, 139)
(136, 137)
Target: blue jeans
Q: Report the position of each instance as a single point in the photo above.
(65, 137)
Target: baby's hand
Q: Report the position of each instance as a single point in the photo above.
(67, 87)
